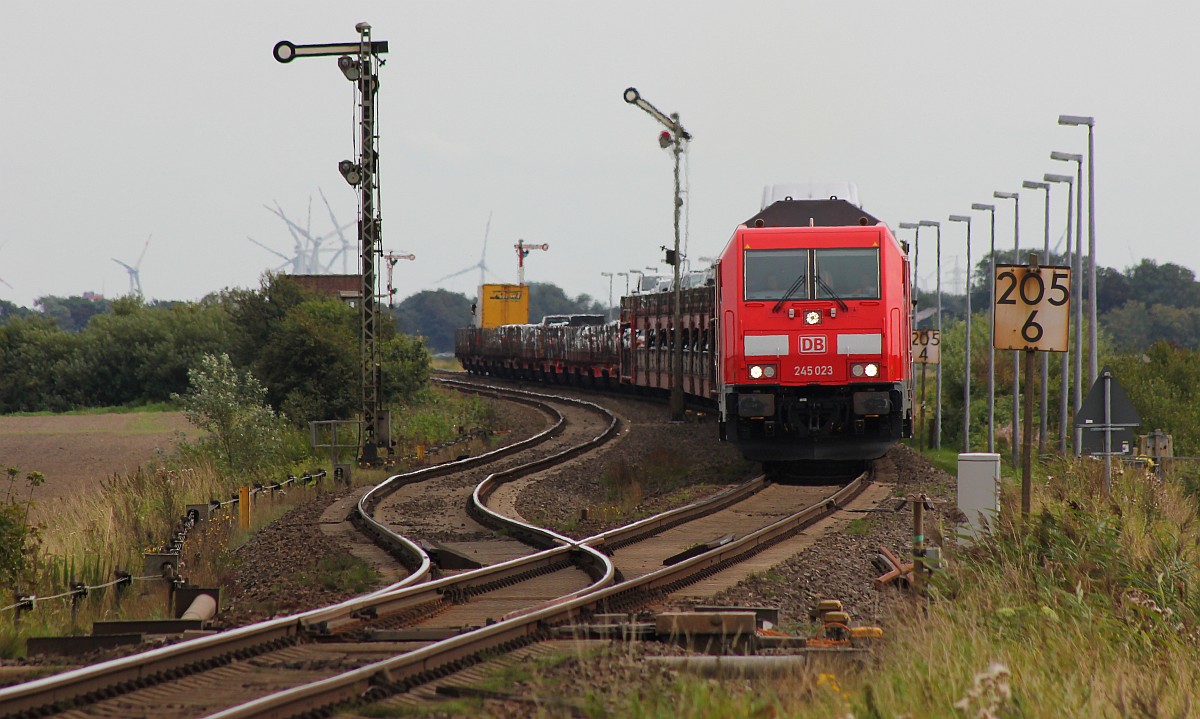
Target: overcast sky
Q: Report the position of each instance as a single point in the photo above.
(122, 121)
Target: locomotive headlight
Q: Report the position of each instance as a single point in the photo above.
(812, 317)
(759, 371)
(859, 370)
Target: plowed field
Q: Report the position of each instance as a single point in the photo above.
(76, 451)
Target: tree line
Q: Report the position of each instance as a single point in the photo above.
(74, 352)
(1136, 307)
(302, 346)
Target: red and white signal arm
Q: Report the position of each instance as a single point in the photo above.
(1033, 308)
(927, 346)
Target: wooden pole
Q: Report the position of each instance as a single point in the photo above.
(918, 547)
(244, 507)
(1027, 450)
(923, 434)
(1027, 440)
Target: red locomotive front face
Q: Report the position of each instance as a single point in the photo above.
(814, 341)
(810, 306)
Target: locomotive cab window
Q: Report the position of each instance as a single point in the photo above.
(770, 274)
(847, 273)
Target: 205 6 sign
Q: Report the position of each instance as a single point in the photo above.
(1033, 308)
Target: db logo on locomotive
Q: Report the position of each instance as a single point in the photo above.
(812, 344)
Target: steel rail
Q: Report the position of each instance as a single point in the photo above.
(411, 555)
(382, 603)
(145, 667)
(376, 681)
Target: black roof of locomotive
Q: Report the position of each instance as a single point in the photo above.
(815, 213)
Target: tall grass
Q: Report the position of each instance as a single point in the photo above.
(94, 534)
(437, 415)
(1091, 609)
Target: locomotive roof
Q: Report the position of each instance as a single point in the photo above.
(815, 213)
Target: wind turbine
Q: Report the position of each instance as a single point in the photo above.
(286, 260)
(306, 247)
(346, 244)
(482, 264)
(135, 276)
(2, 244)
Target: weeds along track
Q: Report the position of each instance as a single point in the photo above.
(422, 628)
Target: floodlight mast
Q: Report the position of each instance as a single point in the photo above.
(359, 62)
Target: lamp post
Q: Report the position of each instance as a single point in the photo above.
(1065, 367)
(916, 256)
(967, 376)
(1031, 185)
(937, 410)
(991, 330)
(673, 137)
(640, 274)
(1016, 383)
(1076, 294)
(609, 275)
(626, 276)
(916, 227)
(1076, 120)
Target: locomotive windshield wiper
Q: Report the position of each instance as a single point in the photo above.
(791, 290)
(832, 294)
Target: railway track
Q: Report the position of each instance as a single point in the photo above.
(421, 627)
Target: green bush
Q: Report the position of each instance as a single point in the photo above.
(244, 433)
(19, 540)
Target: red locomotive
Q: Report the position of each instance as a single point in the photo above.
(815, 360)
(800, 340)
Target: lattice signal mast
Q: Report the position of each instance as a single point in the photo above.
(359, 62)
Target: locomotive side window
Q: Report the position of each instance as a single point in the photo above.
(771, 273)
(848, 273)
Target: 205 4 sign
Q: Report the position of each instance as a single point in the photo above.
(926, 346)
(1033, 308)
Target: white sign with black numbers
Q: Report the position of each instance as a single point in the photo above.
(1032, 310)
(926, 346)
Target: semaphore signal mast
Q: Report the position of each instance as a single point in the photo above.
(523, 252)
(392, 258)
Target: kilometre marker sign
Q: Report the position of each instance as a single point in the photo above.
(927, 346)
(1032, 310)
